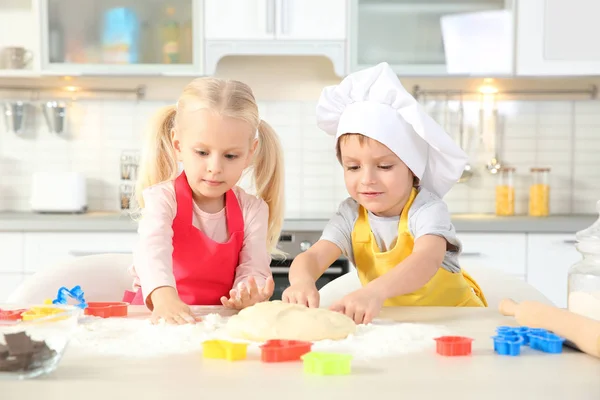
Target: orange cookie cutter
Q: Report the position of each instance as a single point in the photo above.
(107, 309)
(284, 350)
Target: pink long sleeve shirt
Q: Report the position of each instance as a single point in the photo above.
(153, 258)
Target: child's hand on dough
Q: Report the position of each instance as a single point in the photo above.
(361, 305)
(304, 293)
(168, 306)
(249, 294)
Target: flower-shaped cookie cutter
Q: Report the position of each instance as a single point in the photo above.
(107, 309)
(75, 293)
(317, 363)
(284, 350)
(453, 345)
(224, 349)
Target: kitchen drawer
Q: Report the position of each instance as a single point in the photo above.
(43, 249)
(11, 252)
(8, 283)
(506, 252)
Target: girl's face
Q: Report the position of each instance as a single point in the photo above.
(214, 151)
(374, 175)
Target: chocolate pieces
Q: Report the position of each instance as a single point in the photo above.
(23, 354)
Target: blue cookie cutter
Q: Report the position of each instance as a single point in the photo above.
(508, 345)
(536, 338)
(546, 342)
(76, 293)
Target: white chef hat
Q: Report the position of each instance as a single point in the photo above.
(374, 103)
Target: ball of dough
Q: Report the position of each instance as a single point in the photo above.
(285, 321)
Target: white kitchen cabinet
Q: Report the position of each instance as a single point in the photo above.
(11, 252)
(549, 257)
(557, 37)
(275, 19)
(239, 19)
(275, 27)
(406, 34)
(44, 249)
(312, 19)
(19, 27)
(506, 252)
(8, 283)
(120, 37)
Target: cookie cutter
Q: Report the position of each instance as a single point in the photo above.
(76, 293)
(284, 350)
(508, 345)
(317, 363)
(453, 345)
(546, 342)
(224, 349)
(11, 315)
(38, 312)
(107, 309)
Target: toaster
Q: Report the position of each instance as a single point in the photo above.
(58, 192)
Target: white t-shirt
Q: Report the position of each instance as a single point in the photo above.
(428, 215)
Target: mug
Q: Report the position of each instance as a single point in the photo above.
(15, 57)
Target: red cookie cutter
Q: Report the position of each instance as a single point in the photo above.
(107, 309)
(453, 345)
(11, 315)
(284, 350)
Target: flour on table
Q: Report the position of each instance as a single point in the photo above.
(140, 339)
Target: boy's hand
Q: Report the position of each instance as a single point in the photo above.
(304, 293)
(168, 306)
(361, 305)
(249, 294)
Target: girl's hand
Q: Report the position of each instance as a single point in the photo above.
(168, 306)
(361, 305)
(304, 293)
(249, 294)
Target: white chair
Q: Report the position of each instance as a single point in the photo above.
(102, 277)
(494, 284)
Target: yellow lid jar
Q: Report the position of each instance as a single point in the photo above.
(539, 192)
(505, 192)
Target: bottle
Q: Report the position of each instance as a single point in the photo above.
(584, 276)
(171, 38)
(505, 192)
(539, 192)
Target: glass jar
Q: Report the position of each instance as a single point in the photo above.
(505, 192)
(584, 276)
(539, 192)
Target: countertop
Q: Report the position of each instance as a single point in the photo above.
(423, 375)
(118, 222)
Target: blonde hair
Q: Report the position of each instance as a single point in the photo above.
(228, 98)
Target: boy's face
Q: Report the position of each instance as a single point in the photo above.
(374, 175)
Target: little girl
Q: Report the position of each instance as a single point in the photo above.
(395, 228)
(202, 239)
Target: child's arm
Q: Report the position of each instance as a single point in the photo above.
(415, 271)
(306, 268)
(153, 259)
(253, 279)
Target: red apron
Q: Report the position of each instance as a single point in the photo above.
(204, 270)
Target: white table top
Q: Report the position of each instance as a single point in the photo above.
(483, 375)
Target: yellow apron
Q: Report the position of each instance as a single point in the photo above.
(444, 289)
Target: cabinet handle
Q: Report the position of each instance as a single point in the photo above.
(470, 254)
(570, 241)
(271, 16)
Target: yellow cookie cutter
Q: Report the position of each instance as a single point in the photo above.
(224, 349)
(38, 312)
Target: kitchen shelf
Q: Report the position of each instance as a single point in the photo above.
(19, 73)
